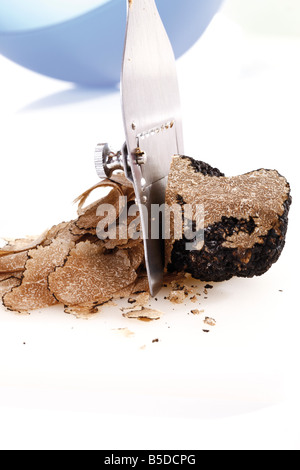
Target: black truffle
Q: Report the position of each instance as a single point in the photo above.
(246, 220)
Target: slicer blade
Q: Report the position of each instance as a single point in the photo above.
(152, 120)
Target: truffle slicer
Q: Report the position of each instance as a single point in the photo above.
(153, 125)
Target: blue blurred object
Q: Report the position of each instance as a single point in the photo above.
(85, 45)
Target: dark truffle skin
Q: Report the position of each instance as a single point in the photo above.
(215, 262)
(204, 168)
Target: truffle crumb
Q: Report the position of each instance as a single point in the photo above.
(210, 321)
(177, 297)
(179, 293)
(144, 314)
(197, 312)
(143, 299)
(125, 332)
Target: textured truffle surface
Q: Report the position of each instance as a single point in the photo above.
(245, 224)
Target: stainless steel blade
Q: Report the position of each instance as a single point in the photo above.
(152, 119)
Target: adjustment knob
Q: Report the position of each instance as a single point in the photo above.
(107, 161)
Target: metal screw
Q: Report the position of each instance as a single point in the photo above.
(141, 157)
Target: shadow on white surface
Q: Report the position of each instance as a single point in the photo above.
(71, 96)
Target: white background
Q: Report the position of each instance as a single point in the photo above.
(79, 384)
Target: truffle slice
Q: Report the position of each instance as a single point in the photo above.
(89, 275)
(6, 285)
(245, 224)
(33, 292)
(13, 262)
(142, 284)
(88, 218)
(22, 245)
(144, 314)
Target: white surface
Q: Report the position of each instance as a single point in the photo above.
(82, 384)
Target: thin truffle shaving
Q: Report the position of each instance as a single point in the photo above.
(89, 275)
(33, 292)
